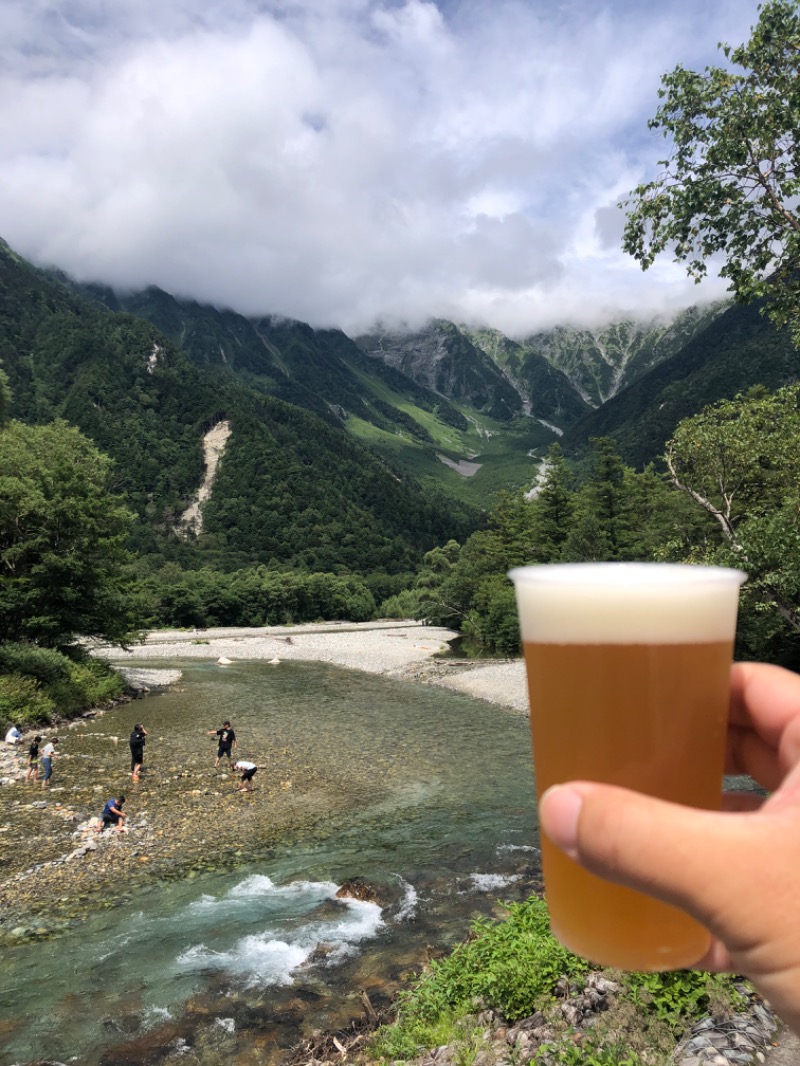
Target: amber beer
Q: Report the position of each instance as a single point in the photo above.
(628, 674)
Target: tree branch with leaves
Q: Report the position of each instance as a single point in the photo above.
(739, 460)
(729, 186)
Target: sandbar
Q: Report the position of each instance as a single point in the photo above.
(406, 649)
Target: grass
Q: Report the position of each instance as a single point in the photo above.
(503, 452)
(515, 967)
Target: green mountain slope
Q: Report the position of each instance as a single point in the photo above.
(433, 436)
(444, 359)
(547, 393)
(452, 411)
(292, 489)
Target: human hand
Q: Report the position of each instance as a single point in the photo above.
(736, 871)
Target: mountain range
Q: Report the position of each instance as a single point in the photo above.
(346, 453)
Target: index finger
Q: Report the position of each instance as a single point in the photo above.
(764, 703)
(764, 698)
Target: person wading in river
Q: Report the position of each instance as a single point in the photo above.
(48, 754)
(137, 742)
(227, 741)
(32, 773)
(249, 771)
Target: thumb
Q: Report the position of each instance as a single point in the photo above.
(708, 863)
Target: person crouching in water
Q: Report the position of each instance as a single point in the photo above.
(137, 750)
(113, 814)
(249, 771)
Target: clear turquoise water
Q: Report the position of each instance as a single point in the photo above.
(424, 791)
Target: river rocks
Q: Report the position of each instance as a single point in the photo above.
(488, 1040)
(358, 888)
(84, 849)
(737, 1041)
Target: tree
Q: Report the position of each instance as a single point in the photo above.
(63, 533)
(602, 519)
(5, 396)
(552, 509)
(730, 183)
(739, 461)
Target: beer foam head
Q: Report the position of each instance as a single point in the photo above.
(626, 603)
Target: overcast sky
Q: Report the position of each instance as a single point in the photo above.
(343, 161)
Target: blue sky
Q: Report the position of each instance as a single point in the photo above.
(345, 161)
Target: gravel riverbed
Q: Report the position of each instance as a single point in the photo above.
(54, 867)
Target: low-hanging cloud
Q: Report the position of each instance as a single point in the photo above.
(343, 161)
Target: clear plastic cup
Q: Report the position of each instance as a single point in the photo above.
(628, 670)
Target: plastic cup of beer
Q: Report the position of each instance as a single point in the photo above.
(628, 670)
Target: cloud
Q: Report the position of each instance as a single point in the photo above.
(340, 161)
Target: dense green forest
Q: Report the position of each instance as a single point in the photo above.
(726, 494)
(101, 452)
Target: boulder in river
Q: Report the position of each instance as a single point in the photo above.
(358, 888)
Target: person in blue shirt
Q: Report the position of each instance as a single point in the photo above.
(113, 815)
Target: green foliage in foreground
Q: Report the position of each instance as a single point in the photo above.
(38, 684)
(590, 1052)
(63, 539)
(513, 966)
(678, 997)
(509, 965)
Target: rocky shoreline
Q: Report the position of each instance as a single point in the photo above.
(753, 1036)
(51, 875)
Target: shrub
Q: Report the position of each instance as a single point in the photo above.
(590, 1052)
(406, 604)
(514, 967)
(678, 997)
(37, 683)
(509, 965)
(23, 702)
(97, 682)
(43, 664)
(406, 1040)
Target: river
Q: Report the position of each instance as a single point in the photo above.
(422, 791)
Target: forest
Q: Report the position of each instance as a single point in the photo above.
(102, 418)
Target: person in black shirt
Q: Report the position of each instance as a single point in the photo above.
(227, 741)
(32, 773)
(137, 750)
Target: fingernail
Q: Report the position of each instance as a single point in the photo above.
(559, 810)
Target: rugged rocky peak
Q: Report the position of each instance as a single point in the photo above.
(443, 358)
(600, 362)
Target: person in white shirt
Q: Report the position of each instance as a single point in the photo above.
(249, 771)
(13, 736)
(48, 754)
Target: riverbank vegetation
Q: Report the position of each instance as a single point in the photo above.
(38, 685)
(726, 495)
(513, 968)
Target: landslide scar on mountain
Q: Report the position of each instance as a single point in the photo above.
(191, 521)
